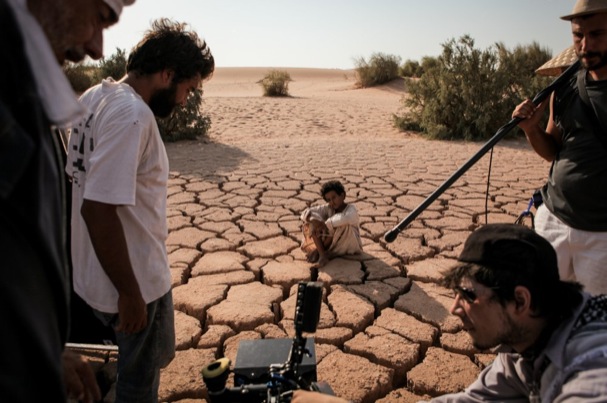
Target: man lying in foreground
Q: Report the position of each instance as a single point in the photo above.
(552, 336)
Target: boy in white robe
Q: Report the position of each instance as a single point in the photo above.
(331, 229)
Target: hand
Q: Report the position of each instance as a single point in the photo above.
(132, 314)
(322, 260)
(529, 113)
(79, 379)
(304, 396)
(319, 229)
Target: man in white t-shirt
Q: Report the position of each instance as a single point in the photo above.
(119, 170)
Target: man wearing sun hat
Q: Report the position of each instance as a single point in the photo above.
(552, 337)
(36, 37)
(574, 214)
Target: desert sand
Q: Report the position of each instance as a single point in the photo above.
(385, 331)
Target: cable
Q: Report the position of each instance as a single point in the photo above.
(487, 191)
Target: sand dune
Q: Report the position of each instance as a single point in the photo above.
(242, 81)
(322, 102)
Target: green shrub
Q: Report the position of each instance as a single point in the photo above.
(405, 122)
(470, 93)
(80, 76)
(187, 122)
(414, 69)
(411, 68)
(428, 62)
(380, 69)
(276, 84)
(520, 65)
(83, 76)
(114, 66)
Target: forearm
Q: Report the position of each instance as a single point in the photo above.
(346, 217)
(542, 142)
(107, 236)
(545, 142)
(315, 213)
(79, 378)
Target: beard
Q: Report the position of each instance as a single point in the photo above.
(163, 101)
(512, 334)
(591, 66)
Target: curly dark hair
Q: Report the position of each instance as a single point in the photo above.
(170, 45)
(335, 186)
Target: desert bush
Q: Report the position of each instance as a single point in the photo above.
(80, 76)
(469, 93)
(411, 68)
(520, 65)
(113, 66)
(84, 76)
(380, 69)
(428, 62)
(187, 122)
(276, 83)
(415, 69)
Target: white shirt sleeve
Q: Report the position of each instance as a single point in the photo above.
(114, 161)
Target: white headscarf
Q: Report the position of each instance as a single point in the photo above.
(56, 94)
(117, 5)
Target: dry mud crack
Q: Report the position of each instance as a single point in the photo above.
(385, 331)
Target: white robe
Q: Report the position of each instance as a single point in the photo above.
(343, 227)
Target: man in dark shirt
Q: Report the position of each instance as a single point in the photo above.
(36, 37)
(574, 217)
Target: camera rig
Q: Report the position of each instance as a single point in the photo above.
(257, 376)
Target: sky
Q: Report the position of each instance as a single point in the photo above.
(334, 33)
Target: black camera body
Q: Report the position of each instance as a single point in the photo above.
(256, 357)
(269, 370)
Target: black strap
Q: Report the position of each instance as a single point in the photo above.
(598, 129)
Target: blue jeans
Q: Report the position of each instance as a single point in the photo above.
(141, 355)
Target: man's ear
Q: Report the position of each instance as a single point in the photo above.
(167, 76)
(522, 299)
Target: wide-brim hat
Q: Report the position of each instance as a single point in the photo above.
(558, 64)
(586, 7)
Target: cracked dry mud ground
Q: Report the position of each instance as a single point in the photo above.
(385, 332)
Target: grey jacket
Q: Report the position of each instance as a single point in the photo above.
(571, 368)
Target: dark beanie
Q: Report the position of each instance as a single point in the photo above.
(502, 247)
